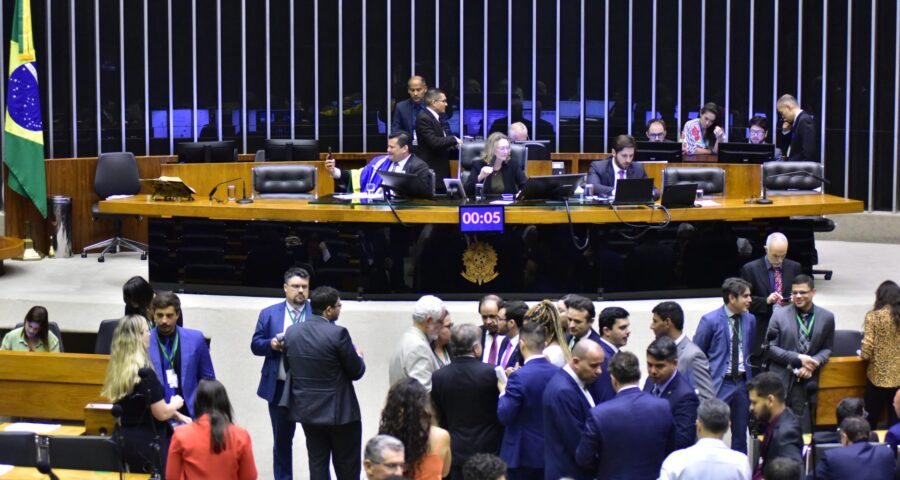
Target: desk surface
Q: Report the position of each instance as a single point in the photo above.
(422, 213)
(28, 473)
(62, 430)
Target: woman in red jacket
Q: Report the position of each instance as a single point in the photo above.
(212, 446)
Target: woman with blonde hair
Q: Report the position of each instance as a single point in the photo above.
(547, 315)
(134, 388)
(496, 169)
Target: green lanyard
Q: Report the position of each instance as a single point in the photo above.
(806, 329)
(300, 314)
(170, 356)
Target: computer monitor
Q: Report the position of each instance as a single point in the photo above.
(287, 150)
(551, 187)
(206, 152)
(405, 185)
(537, 149)
(748, 153)
(646, 151)
(634, 191)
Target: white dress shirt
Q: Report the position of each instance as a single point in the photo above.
(708, 459)
(488, 341)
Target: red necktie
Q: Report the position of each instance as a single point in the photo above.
(492, 357)
(777, 276)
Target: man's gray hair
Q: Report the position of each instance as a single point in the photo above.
(428, 306)
(464, 338)
(787, 100)
(376, 447)
(775, 237)
(714, 414)
(516, 128)
(432, 95)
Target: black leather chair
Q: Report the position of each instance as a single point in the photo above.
(799, 178)
(710, 179)
(285, 181)
(117, 174)
(84, 452)
(469, 152)
(18, 448)
(846, 343)
(287, 150)
(54, 328)
(103, 344)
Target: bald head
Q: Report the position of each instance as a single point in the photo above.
(776, 248)
(587, 358)
(788, 107)
(416, 87)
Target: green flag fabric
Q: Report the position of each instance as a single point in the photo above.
(23, 150)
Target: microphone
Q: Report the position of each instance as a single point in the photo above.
(771, 336)
(766, 201)
(144, 372)
(44, 467)
(796, 364)
(244, 200)
(216, 188)
(116, 410)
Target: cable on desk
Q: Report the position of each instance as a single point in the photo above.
(587, 238)
(644, 229)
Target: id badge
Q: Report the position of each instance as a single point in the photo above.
(172, 378)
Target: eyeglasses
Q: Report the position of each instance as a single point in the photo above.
(656, 135)
(799, 293)
(392, 466)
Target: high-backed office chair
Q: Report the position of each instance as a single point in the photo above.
(206, 152)
(469, 152)
(116, 174)
(287, 150)
(285, 181)
(846, 343)
(800, 178)
(103, 344)
(710, 179)
(84, 452)
(18, 448)
(54, 328)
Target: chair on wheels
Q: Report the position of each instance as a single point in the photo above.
(285, 181)
(117, 174)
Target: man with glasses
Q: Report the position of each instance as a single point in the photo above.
(758, 131)
(384, 458)
(803, 335)
(491, 338)
(656, 130)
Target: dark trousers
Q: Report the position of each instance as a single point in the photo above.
(139, 452)
(342, 444)
(525, 473)
(734, 393)
(283, 428)
(877, 399)
(796, 398)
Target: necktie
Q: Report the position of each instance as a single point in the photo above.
(506, 354)
(657, 390)
(621, 174)
(735, 344)
(492, 357)
(776, 275)
(295, 316)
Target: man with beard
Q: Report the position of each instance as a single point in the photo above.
(783, 437)
(413, 356)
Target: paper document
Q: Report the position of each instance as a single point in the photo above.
(708, 203)
(32, 427)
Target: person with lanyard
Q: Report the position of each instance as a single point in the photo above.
(802, 334)
(179, 355)
(268, 342)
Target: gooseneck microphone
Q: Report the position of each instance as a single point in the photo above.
(216, 188)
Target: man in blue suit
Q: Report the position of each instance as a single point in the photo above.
(521, 408)
(406, 111)
(858, 459)
(603, 174)
(667, 383)
(566, 405)
(268, 342)
(628, 437)
(180, 356)
(726, 336)
(615, 328)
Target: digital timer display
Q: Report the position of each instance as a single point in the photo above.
(481, 218)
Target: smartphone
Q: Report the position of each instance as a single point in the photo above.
(280, 337)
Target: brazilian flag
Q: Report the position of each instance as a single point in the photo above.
(24, 148)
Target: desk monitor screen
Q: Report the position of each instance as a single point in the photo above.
(206, 152)
(634, 191)
(551, 187)
(537, 149)
(405, 185)
(680, 195)
(748, 153)
(645, 151)
(287, 150)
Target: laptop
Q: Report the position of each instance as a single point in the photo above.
(681, 195)
(634, 191)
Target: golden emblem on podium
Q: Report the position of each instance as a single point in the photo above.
(480, 262)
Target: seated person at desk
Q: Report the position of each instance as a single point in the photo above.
(496, 169)
(656, 130)
(34, 335)
(846, 408)
(758, 131)
(604, 174)
(518, 132)
(703, 134)
(398, 159)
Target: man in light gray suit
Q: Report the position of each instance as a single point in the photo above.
(668, 320)
(803, 334)
(413, 356)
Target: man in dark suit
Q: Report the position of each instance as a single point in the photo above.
(465, 397)
(406, 111)
(615, 328)
(398, 159)
(566, 405)
(521, 408)
(858, 459)
(580, 317)
(798, 132)
(668, 321)
(770, 278)
(491, 338)
(726, 335)
(630, 435)
(665, 382)
(435, 143)
(805, 332)
(783, 437)
(846, 408)
(509, 323)
(604, 174)
(323, 364)
(268, 342)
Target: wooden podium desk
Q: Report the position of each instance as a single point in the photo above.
(840, 378)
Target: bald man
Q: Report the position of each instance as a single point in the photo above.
(406, 111)
(770, 280)
(798, 131)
